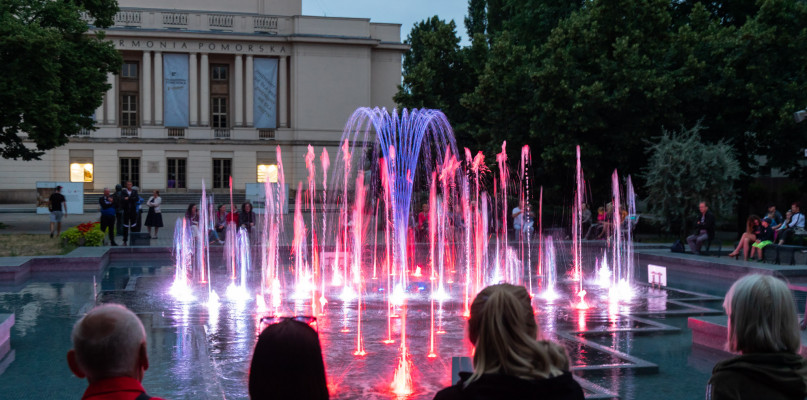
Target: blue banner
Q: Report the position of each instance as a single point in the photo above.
(265, 84)
(175, 87)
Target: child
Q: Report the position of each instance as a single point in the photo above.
(764, 238)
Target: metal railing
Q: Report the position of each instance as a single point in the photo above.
(265, 24)
(266, 134)
(176, 132)
(220, 20)
(129, 131)
(177, 19)
(221, 133)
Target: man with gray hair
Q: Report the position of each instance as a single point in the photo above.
(109, 349)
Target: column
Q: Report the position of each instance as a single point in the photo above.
(204, 95)
(158, 88)
(239, 91)
(146, 103)
(249, 91)
(111, 100)
(99, 114)
(282, 94)
(193, 81)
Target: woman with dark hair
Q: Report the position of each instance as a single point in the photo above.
(752, 229)
(219, 225)
(192, 217)
(287, 364)
(246, 218)
(509, 361)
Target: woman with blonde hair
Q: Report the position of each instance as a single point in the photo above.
(764, 329)
(509, 361)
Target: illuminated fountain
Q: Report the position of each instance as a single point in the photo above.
(352, 254)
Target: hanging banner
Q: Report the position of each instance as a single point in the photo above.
(175, 88)
(265, 95)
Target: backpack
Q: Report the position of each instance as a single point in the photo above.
(677, 247)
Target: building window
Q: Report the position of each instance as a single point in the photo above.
(129, 70)
(267, 172)
(81, 172)
(130, 171)
(219, 112)
(128, 110)
(176, 173)
(222, 169)
(219, 72)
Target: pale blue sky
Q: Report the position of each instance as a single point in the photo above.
(404, 12)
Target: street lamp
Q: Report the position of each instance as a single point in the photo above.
(800, 115)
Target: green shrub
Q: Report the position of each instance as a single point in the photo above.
(86, 234)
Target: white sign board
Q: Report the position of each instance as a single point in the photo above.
(73, 193)
(256, 194)
(656, 275)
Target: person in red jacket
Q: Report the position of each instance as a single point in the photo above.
(109, 349)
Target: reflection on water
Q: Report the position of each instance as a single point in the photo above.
(196, 352)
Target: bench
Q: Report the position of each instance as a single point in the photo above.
(782, 254)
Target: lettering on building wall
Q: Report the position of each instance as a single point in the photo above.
(215, 47)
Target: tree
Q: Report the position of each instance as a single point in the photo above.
(683, 170)
(497, 103)
(476, 21)
(435, 73)
(604, 82)
(54, 71)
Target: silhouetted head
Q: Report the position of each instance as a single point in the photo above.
(762, 316)
(246, 207)
(108, 342)
(287, 364)
(702, 207)
(502, 327)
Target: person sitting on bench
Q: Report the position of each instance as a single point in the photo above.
(796, 225)
(704, 229)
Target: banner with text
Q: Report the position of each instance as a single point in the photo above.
(265, 84)
(175, 76)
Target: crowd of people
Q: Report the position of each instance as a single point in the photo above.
(510, 361)
(222, 220)
(121, 213)
(759, 231)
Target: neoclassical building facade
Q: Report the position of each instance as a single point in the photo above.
(209, 89)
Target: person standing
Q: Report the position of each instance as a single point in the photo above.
(704, 229)
(154, 218)
(58, 210)
(118, 196)
(108, 209)
(518, 218)
(129, 200)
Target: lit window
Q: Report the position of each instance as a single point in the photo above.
(267, 172)
(80, 172)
